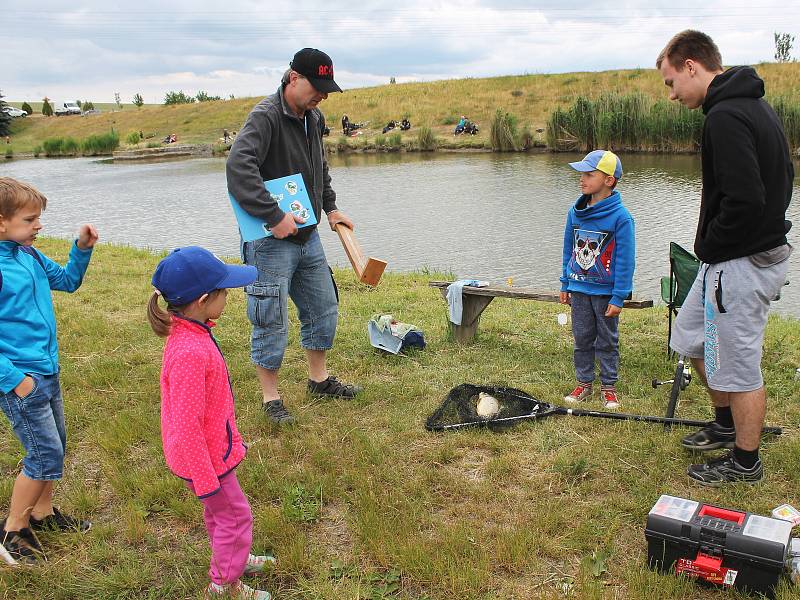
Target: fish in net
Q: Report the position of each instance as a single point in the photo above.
(492, 406)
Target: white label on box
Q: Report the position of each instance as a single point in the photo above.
(767, 528)
(679, 509)
(730, 577)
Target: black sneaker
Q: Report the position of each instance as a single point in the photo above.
(710, 438)
(58, 521)
(21, 546)
(277, 413)
(723, 470)
(333, 387)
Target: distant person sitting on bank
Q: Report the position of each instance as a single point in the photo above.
(405, 125)
(389, 126)
(345, 124)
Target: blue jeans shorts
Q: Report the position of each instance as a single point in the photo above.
(38, 422)
(289, 270)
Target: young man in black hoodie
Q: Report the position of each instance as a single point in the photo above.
(741, 241)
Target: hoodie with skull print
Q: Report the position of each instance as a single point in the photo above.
(599, 249)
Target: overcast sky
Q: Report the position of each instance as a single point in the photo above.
(88, 50)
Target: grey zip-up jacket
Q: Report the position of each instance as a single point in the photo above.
(274, 142)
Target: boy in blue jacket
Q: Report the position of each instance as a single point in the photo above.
(597, 273)
(30, 394)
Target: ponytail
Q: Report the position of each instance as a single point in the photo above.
(160, 320)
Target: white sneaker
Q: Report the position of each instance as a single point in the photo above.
(237, 591)
(257, 564)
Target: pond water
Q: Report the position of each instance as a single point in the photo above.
(484, 216)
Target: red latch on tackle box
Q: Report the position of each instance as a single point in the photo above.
(708, 568)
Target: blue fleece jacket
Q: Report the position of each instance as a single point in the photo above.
(27, 322)
(599, 249)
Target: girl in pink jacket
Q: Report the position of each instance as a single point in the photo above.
(198, 427)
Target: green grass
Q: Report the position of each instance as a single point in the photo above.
(357, 500)
(438, 104)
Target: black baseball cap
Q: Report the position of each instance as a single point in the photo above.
(317, 67)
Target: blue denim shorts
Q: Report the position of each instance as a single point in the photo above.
(38, 422)
(289, 270)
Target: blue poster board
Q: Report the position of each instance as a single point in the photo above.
(291, 195)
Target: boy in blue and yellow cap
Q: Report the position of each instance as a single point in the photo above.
(597, 273)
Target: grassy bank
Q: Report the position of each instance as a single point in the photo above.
(529, 98)
(357, 500)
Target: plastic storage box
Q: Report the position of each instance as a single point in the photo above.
(717, 545)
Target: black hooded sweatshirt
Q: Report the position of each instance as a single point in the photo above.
(747, 171)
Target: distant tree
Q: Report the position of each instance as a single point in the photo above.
(231, 97)
(5, 120)
(47, 110)
(783, 47)
(87, 105)
(392, 80)
(116, 99)
(178, 98)
(204, 97)
(78, 102)
(138, 100)
(27, 108)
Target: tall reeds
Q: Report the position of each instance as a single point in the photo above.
(503, 132)
(624, 122)
(788, 110)
(426, 140)
(104, 143)
(635, 122)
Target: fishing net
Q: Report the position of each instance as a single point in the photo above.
(460, 408)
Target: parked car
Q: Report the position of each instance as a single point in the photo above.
(66, 108)
(14, 111)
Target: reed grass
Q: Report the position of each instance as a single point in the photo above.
(100, 144)
(503, 133)
(619, 122)
(426, 139)
(634, 122)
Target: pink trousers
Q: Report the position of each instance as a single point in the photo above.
(229, 523)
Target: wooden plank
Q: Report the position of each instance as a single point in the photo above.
(368, 269)
(525, 293)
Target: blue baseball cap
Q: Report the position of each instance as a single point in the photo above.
(187, 273)
(604, 161)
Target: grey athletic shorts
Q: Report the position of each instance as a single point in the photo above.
(724, 316)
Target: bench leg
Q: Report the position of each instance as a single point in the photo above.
(473, 306)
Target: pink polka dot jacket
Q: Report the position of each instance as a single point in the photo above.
(198, 425)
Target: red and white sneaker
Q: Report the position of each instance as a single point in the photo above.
(580, 393)
(610, 397)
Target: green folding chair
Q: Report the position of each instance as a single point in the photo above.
(683, 267)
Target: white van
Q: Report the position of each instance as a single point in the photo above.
(66, 108)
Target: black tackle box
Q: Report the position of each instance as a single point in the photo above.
(717, 545)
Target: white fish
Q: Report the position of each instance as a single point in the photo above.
(488, 406)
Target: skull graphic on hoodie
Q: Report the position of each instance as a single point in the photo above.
(592, 253)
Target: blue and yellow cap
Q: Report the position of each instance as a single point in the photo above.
(600, 160)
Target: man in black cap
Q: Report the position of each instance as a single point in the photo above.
(282, 136)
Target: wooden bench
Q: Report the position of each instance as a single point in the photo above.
(476, 299)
